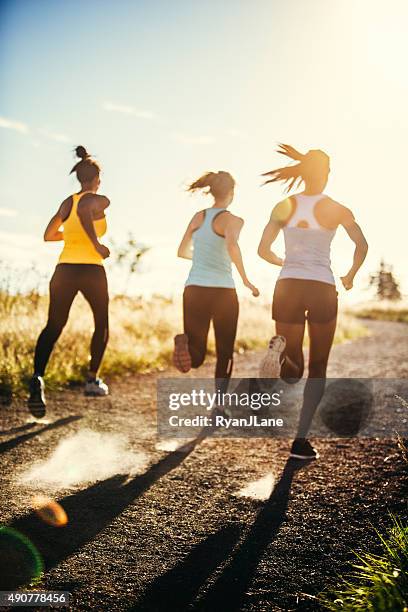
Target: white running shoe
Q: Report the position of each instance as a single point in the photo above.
(271, 364)
(96, 388)
(36, 401)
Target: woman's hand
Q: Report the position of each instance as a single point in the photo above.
(347, 281)
(103, 250)
(252, 288)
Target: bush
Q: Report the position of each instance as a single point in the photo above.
(379, 583)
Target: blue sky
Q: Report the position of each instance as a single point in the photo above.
(162, 91)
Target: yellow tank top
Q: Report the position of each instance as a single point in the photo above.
(78, 247)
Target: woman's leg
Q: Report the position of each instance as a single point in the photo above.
(94, 287)
(293, 364)
(63, 289)
(197, 318)
(321, 339)
(288, 311)
(225, 320)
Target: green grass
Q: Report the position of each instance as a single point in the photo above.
(377, 583)
(141, 336)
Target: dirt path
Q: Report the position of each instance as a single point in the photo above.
(176, 536)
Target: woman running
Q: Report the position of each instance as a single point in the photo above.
(209, 293)
(80, 268)
(306, 290)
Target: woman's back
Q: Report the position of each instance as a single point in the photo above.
(307, 240)
(78, 247)
(211, 261)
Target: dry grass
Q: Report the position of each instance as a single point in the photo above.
(140, 337)
(383, 311)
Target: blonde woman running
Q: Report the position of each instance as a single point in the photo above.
(306, 290)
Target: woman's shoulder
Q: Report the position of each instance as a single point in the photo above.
(335, 205)
(196, 221)
(227, 220)
(235, 219)
(65, 208)
(283, 210)
(329, 211)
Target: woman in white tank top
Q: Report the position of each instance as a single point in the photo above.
(306, 290)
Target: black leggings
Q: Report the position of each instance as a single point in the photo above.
(67, 280)
(201, 305)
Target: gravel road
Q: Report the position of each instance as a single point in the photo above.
(176, 532)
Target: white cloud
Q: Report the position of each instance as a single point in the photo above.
(19, 126)
(128, 110)
(11, 124)
(187, 139)
(56, 136)
(7, 212)
(118, 108)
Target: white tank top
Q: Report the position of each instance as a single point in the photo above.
(307, 243)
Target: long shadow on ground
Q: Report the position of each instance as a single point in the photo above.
(89, 512)
(12, 430)
(9, 444)
(178, 588)
(229, 590)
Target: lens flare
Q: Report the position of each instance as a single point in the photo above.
(282, 211)
(49, 511)
(20, 561)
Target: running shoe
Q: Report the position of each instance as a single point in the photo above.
(181, 354)
(302, 449)
(36, 401)
(96, 388)
(271, 364)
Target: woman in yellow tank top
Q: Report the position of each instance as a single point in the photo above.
(79, 222)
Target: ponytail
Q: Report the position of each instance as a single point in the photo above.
(206, 180)
(219, 183)
(310, 165)
(87, 169)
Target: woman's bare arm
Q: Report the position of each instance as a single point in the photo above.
(185, 250)
(232, 232)
(361, 246)
(278, 219)
(269, 236)
(53, 232)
